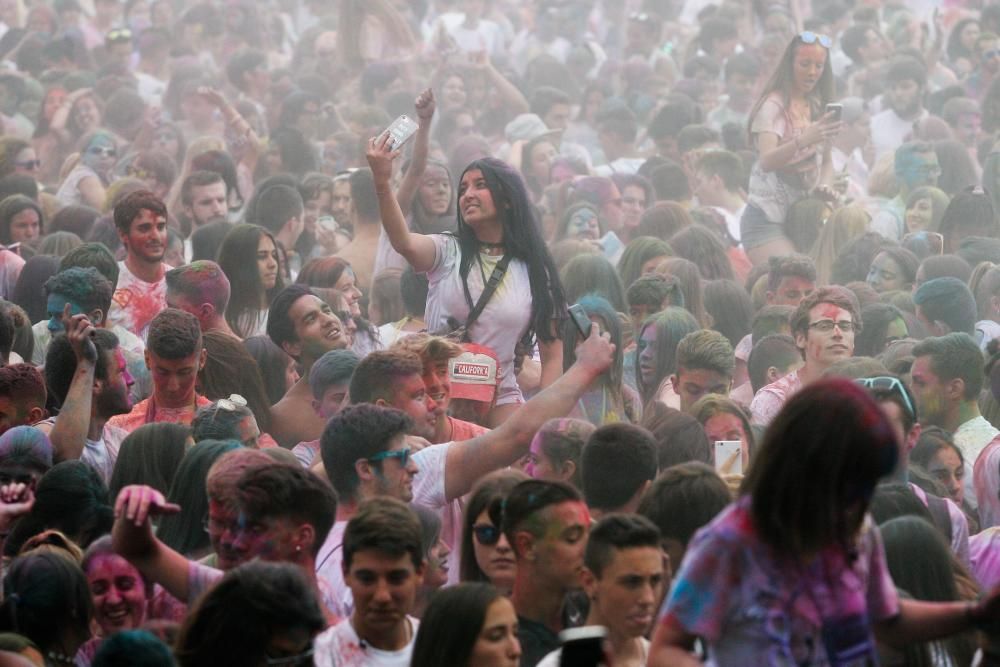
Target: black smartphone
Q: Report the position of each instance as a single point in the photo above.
(581, 319)
(583, 647)
(837, 109)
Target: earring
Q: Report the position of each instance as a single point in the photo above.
(298, 548)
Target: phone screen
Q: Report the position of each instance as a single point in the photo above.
(728, 457)
(580, 318)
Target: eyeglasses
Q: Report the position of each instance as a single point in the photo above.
(933, 240)
(486, 534)
(825, 326)
(810, 37)
(216, 527)
(402, 454)
(29, 164)
(304, 658)
(119, 35)
(101, 150)
(890, 384)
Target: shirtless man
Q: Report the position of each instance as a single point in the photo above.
(305, 327)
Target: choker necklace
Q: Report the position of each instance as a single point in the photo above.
(56, 656)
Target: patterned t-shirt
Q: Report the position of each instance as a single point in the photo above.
(135, 302)
(752, 609)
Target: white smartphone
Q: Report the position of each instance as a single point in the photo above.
(729, 457)
(401, 130)
(328, 223)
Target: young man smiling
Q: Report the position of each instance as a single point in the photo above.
(306, 328)
(141, 220)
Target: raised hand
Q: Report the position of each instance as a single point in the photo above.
(80, 333)
(597, 352)
(380, 156)
(138, 503)
(425, 106)
(16, 500)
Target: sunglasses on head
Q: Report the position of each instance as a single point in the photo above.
(29, 164)
(810, 37)
(889, 384)
(486, 534)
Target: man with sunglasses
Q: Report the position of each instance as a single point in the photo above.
(898, 404)
(823, 326)
(947, 377)
(916, 165)
(365, 452)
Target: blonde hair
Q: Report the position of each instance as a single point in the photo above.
(882, 181)
(845, 224)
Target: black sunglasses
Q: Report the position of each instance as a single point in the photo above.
(486, 534)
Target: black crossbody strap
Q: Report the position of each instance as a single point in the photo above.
(488, 289)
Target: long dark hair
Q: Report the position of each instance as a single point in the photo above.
(272, 362)
(488, 495)
(72, 498)
(783, 79)
(185, 532)
(522, 238)
(239, 246)
(452, 623)
(672, 324)
(149, 455)
(821, 457)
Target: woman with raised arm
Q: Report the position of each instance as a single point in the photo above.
(791, 131)
(498, 238)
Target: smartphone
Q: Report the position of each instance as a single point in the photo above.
(580, 319)
(583, 647)
(729, 457)
(837, 109)
(401, 130)
(328, 223)
(611, 244)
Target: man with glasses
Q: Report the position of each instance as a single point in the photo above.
(915, 165)
(823, 327)
(947, 376)
(899, 407)
(284, 513)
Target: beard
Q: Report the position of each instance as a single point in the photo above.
(111, 402)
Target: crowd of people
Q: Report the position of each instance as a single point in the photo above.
(659, 332)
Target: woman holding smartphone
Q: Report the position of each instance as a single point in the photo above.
(495, 221)
(791, 129)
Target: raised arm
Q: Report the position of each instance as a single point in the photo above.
(421, 148)
(417, 249)
(70, 429)
(132, 538)
(468, 461)
(775, 155)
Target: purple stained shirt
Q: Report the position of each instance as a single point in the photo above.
(751, 609)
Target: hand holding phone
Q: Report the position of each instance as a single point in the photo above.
(837, 110)
(400, 131)
(580, 319)
(729, 457)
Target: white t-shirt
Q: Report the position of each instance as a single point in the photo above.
(340, 646)
(972, 438)
(329, 570)
(487, 36)
(135, 302)
(504, 320)
(40, 332)
(552, 659)
(889, 131)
